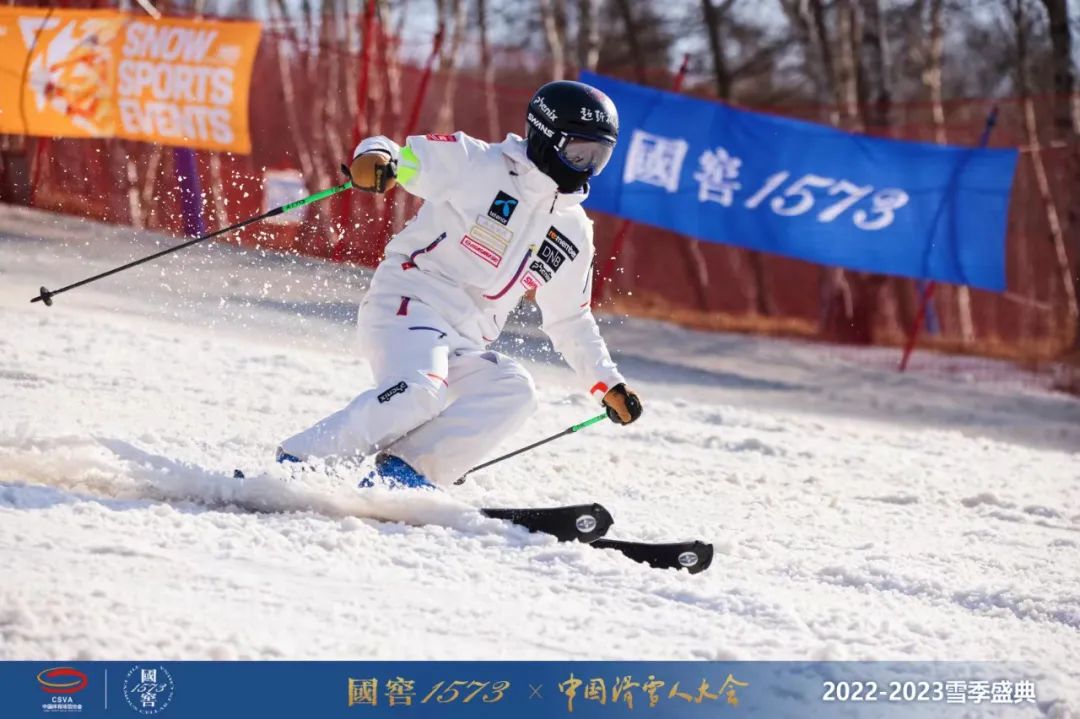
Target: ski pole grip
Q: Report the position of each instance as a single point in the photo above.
(589, 422)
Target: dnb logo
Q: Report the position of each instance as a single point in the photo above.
(502, 208)
(148, 690)
(61, 683)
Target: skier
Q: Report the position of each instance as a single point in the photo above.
(498, 220)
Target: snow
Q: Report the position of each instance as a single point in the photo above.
(857, 513)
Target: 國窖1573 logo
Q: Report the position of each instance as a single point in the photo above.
(148, 690)
(61, 683)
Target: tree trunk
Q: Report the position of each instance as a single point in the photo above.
(588, 34)
(448, 63)
(492, 108)
(1066, 122)
(315, 178)
(876, 95)
(837, 295)
(1066, 117)
(933, 82)
(555, 41)
(1053, 218)
(756, 285)
(626, 12)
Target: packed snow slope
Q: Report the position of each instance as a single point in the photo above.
(856, 513)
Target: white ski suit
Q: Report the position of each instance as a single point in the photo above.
(492, 227)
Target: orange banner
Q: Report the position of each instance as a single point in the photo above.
(88, 73)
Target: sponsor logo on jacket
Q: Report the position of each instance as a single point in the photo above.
(482, 251)
(551, 256)
(491, 234)
(388, 395)
(538, 267)
(562, 242)
(502, 208)
(486, 224)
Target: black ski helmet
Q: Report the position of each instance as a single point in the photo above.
(571, 128)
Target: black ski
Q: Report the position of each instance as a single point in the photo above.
(692, 556)
(588, 523)
(580, 522)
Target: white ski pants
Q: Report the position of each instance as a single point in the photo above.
(440, 402)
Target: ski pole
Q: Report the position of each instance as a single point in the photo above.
(46, 295)
(534, 445)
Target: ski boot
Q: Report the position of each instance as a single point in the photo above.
(283, 457)
(395, 473)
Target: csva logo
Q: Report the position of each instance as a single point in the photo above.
(62, 680)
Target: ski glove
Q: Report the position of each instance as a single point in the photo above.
(373, 171)
(622, 403)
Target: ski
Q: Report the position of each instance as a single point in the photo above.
(580, 522)
(695, 556)
(588, 523)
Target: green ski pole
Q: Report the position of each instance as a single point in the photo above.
(534, 445)
(46, 295)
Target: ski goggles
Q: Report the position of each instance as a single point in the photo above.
(585, 154)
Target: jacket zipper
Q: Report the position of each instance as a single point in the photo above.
(524, 261)
(411, 262)
(520, 269)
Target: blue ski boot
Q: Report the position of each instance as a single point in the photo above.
(283, 457)
(395, 473)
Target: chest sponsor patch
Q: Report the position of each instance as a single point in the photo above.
(563, 242)
(502, 208)
(495, 228)
(551, 256)
(529, 281)
(541, 269)
(435, 137)
(482, 251)
(494, 241)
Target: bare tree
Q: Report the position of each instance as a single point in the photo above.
(1066, 121)
(756, 284)
(553, 14)
(454, 15)
(1067, 117)
(632, 33)
(1022, 24)
(489, 70)
(588, 33)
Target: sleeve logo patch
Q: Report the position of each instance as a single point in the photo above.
(502, 208)
(435, 137)
(551, 256)
(563, 243)
(388, 395)
(485, 253)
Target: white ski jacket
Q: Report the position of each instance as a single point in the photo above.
(492, 227)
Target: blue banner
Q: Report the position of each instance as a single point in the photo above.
(808, 191)
(521, 690)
